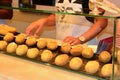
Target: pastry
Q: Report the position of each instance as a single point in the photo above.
(11, 48)
(32, 53)
(106, 70)
(75, 63)
(31, 40)
(92, 67)
(20, 38)
(41, 43)
(104, 56)
(3, 32)
(22, 49)
(46, 55)
(76, 50)
(3, 45)
(87, 52)
(8, 28)
(8, 37)
(61, 59)
(65, 47)
(52, 44)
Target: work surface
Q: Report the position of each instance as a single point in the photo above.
(12, 68)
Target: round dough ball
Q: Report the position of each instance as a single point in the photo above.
(31, 41)
(87, 52)
(8, 37)
(21, 50)
(52, 44)
(41, 43)
(11, 48)
(106, 70)
(32, 53)
(75, 63)
(3, 45)
(92, 67)
(46, 55)
(65, 47)
(76, 50)
(61, 60)
(104, 56)
(20, 38)
(118, 56)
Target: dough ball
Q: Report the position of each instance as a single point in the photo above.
(76, 50)
(31, 41)
(3, 45)
(118, 56)
(65, 47)
(106, 70)
(8, 37)
(21, 50)
(20, 38)
(52, 44)
(87, 52)
(75, 63)
(61, 60)
(104, 56)
(11, 48)
(32, 53)
(92, 67)
(46, 55)
(41, 43)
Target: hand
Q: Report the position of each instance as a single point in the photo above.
(36, 27)
(72, 40)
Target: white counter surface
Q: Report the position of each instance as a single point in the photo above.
(13, 68)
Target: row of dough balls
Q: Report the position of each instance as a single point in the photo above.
(75, 63)
(50, 44)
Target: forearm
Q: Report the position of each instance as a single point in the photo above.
(50, 20)
(95, 29)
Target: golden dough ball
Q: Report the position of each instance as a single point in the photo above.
(11, 48)
(32, 53)
(106, 70)
(76, 50)
(8, 37)
(87, 52)
(118, 56)
(92, 67)
(75, 63)
(52, 44)
(22, 49)
(41, 43)
(46, 55)
(104, 56)
(65, 47)
(20, 38)
(31, 41)
(3, 45)
(62, 59)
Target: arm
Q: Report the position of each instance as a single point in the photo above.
(6, 13)
(95, 29)
(37, 25)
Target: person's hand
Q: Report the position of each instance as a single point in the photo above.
(35, 27)
(72, 40)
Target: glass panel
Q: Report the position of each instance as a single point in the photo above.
(27, 11)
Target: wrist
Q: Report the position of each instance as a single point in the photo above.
(82, 39)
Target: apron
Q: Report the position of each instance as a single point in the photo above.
(71, 25)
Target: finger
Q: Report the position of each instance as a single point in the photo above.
(37, 31)
(67, 39)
